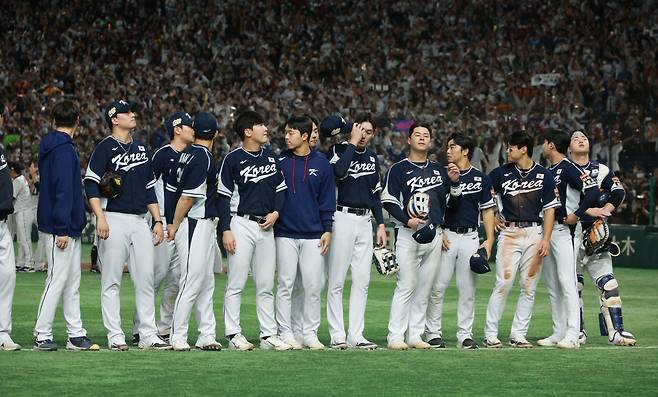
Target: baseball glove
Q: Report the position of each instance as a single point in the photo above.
(597, 237)
(419, 205)
(385, 261)
(111, 185)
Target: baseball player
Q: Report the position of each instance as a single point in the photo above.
(122, 227)
(61, 216)
(166, 260)
(39, 256)
(303, 231)
(193, 230)
(22, 218)
(418, 261)
(599, 265)
(460, 242)
(559, 265)
(526, 205)
(356, 169)
(252, 192)
(7, 259)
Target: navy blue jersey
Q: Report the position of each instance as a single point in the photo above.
(197, 178)
(476, 196)
(165, 163)
(598, 174)
(405, 178)
(357, 178)
(572, 188)
(251, 181)
(523, 195)
(6, 189)
(131, 161)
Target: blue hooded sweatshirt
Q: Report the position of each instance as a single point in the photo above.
(61, 209)
(310, 203)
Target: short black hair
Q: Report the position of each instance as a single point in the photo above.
(15, 166)
(560, 139)
(65, 114)
(313, 118)
(301, 123)
(363, 118)
(417, 124)
(464, 141)
(521, 139)
(246, 120)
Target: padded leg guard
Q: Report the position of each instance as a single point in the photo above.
(611, 322)
(581, 284)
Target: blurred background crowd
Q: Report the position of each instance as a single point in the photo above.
(481, 67)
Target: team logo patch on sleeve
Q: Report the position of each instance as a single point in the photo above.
(540, 176)
(436, 172)
(270, 159)
(477, 179)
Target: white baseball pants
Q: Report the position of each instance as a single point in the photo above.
(7, 280)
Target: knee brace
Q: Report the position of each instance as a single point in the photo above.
(610, 317)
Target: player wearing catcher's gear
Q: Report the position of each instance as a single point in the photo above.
(599, 264)
(303, 231)
(7, 259)
(61, 216)
(525, 197)
(125, 235)
(194, 231)
(165, 257)
(559, 266)
(418, 257)
(460, 242)
(251, 194)
(357, 172)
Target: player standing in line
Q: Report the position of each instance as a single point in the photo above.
(559, 266)
(122, 227)
(39, 257)
(303, 231)
(252, 192)
(7, 259)
(418, 261)
(22, 218)
(525, 190)
(460, 242)
(357, 172)
(166, 260)
(61, 216)
(599, 265)
(193, 229)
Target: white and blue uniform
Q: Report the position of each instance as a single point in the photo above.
(599, 265)
(250, 186)
(560, 264)
(195, 240)
(522, 198)
(418, 262)
(461, 229)
(166, 262)
(307, 213)
(130, 238)
(359, 187)
(7, 259)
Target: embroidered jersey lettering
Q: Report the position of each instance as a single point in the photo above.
(476, 196)
(523, 197)
(251, 180)
(358, 185)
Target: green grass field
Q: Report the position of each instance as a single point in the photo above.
(596, 369)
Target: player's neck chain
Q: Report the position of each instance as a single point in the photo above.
(523, 173)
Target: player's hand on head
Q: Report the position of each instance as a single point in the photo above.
(62, 242)
(357, 133)
(382, 237)
(453, 172)
(102, 228)
(158, 233)
(445, 243)
(269, 220)
(415, 223)
(228, 239)
(325, 240)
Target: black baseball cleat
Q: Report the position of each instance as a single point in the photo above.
(436, 343)
(135, 339)
(45, 345)
(469, 343)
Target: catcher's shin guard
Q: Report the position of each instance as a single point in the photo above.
(611, 322)
(581, 284)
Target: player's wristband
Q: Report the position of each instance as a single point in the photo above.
(156, 222)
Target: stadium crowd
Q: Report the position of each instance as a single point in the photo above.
(484, 67)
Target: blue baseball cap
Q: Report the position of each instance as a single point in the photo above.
(425, 235)
(178, 119)
(334, 125)
(479, 263)
(116, 107)
(205, 125)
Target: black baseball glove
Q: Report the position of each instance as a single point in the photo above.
(111, 185)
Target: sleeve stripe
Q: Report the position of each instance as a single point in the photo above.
(195, 195)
